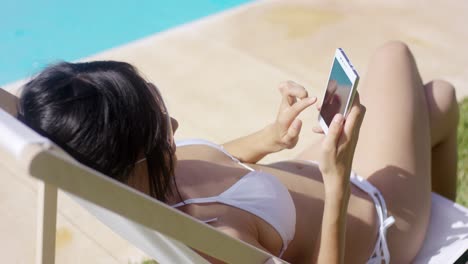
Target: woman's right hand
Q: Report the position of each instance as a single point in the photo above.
(287, 126)
(337, 149)
(283, 133)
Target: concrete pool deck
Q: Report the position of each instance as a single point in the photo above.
(236, 60)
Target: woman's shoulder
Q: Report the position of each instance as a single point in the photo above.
(197, 142)
(202, 149)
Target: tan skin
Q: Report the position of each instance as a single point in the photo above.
(323, 193)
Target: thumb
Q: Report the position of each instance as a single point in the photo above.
(294, 130)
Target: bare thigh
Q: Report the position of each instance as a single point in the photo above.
(394, 148)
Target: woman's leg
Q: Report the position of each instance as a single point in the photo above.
(389, 121)
(443, 116)
(442, 106)
(394, 148)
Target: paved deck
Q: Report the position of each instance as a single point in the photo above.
(235, 60)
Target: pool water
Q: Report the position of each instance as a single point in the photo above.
(36, 33)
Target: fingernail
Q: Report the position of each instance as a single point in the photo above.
(312, 99)
(338, 118)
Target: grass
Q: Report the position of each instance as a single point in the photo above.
(149, 262)
(462, 189)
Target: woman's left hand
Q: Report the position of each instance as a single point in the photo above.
(338, 146)
(287, 127)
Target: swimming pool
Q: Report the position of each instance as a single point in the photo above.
(35, 33)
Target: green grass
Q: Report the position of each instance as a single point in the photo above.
(149, 262)
(462, 189)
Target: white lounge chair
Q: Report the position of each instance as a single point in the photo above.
(158, 230)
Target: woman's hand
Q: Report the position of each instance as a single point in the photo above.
(287, 127)
(336, 158)
(283, 133)
(337, 150)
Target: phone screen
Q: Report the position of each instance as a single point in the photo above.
(336, 96)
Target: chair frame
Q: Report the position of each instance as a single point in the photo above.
(56, 170)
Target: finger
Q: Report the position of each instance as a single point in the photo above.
(318, 130)
(354, 120)
(295, 89)
(354, 114)
(286, 100)
(290, 91)
(334, 133)
(357, 99)
(297, 108)
(293, 131)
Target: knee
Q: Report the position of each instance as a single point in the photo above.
(444, 96)
(393, 50)
(442, 101)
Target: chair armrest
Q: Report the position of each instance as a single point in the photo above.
(8, 102)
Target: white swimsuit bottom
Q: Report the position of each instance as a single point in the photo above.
(381, 253)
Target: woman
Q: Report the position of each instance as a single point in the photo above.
(109, 118)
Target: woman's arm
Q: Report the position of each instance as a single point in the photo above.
(332, 237)
(335, 164)
(254, 147)
(282, 134)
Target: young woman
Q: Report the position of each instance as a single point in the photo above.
(109, 118)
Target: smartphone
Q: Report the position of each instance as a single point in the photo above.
(341, 88)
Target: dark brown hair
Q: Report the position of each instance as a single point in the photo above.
(105, 115)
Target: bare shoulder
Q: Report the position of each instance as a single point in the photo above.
(202, 152)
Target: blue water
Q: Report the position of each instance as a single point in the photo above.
(34, 33)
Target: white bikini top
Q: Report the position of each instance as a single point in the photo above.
(258, 193)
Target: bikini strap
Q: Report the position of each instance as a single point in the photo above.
(212, 199)
(188, 142)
